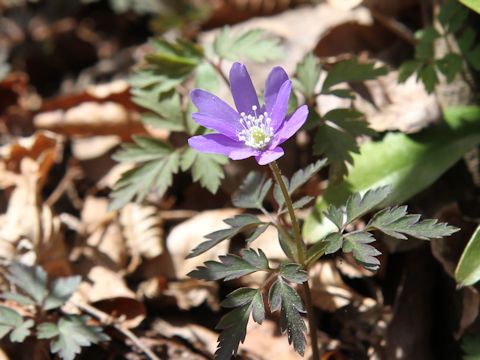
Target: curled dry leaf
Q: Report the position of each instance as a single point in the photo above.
(191, 293)
(143, 231)
(329, 291)
(197, 336)
(103, 283)
(29, 232)
(105, 244)
(92, 118)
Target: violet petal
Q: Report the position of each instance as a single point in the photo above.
(211, 104)
(291, 126)
(242, 89)
(275, 80)
(225, 127)
(244, 153)
(268, 156)
(215, 143)
(279, 110)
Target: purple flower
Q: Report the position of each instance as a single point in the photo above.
(252, 130)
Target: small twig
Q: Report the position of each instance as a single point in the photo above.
(62, 186)
(394, 26)
(218, 69)
(108, 320)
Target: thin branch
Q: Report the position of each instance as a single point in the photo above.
(108, 320)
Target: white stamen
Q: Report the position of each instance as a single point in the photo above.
(257, 131)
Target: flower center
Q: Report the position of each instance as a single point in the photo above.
(256, 132)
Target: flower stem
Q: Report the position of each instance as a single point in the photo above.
(301, 258)
(288, 201)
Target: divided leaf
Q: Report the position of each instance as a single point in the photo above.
(364, 254)
(252, 44)
(298, 179)
(234, 324)
(60, 291)
(395, 221)
(283, 297)
(238, 224)
(293, 273)
(336, 216)
(336, 138)
(158, 163)
(351, 71)
(206, 168)
(13, 323)
(31, 280)
(252, 192)
(358, 205)
(232, 266)
(307, 75)
(69, 335)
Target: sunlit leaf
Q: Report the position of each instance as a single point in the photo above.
(409, 163)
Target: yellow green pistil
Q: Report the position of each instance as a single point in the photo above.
(256, 132)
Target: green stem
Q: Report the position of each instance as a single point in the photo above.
(301, 258)
(288, 201)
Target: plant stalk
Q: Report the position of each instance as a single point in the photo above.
(291, 211)
(301, 258)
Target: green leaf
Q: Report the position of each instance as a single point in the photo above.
(13, 323)
(303, 175)
(468, 268)
(336, 138)
(409, 163)
(176, 59)
(407, 69)
(238, 224)
(252, 192)
(450, 66)
(298, 180)
(231, 266)
(429, 77)
(206, 168)
(234, 330)
(315, 252)
(287, 244)
(397, 223)
(284, 298)
(364, 254)
(239, 297)
(336, 216)
(471, 347)
(251, 44)
(47, 330)
(256, 233)
(31, 280)
(137, 182)
(338, 146)
(19, 298)
(293, 273)
(472, 4)
(452, 16)
(358, 205)
(352, 71)
(234, 323)
(165, 109)
(71, 335)
(307, 75)
(334, 242)
(60, 291)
